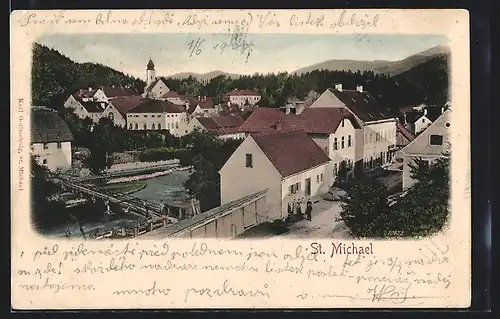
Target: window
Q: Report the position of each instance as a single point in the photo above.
(44, 161)
(45, 146)
(335, 169)
(371, 137)
(447, 124)
(111, 116)
(249, 160)
(335, 144)
(159, 126)
(153, 126)
(159, 115)
(145, 115)
(436, 140)
(176, 124)
(342, 123)
(377, 138)
(321, 177)
(349, 141)
(145, 127)
(342, 142)
(423, 120)
(136, 126)
(59, 145)
(130, 126)
(293, 189)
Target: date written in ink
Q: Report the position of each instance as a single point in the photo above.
(342, 249)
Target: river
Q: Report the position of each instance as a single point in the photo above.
(167, 188)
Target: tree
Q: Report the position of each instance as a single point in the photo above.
(365, 210)
(98, 160)
(46, 210)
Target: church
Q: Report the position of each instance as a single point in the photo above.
(155, 87)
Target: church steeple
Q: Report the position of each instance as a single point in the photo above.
(151, 65)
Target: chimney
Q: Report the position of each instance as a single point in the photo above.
(90, 88)
(359, 88)
(199, 98)
(103, 105)
(442, 110)
(425, 112)
(204, 98)
(406, 122)
(186, 104)
(338, 87)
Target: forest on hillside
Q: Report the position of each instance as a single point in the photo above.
(55, 77)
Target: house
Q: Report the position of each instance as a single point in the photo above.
(155, 87)
(376, 141)
(173, 97)
(428, 145)
(293, 106)
(224, 127)
(200, 106)
(156, 115)
(243, 97)
(417, 121)
(286, 163)
(51, 139)
(86, 109)
(334, 130)
(118, 108)
(102, 94)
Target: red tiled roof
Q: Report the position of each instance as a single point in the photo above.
(221, 125)
(291, 152)
(363, 104)
(156, 106)
(124, 103)
(311, 120)
(405, 132)
(242, 93)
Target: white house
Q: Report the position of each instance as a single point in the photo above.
(103, 93)
(86, 109)
(155, 87)
(334, 130)
(428, 145)
(157, 115)
(174, 97)
(376, 142)
(51, 139)
(118, 108)
(243, 97)
(224, 127)
(286, 163)
(417, 121)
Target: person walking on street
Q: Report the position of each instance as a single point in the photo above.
(309, 210)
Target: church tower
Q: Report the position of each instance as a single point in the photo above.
(150, 73)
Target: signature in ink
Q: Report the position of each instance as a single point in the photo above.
(238, 41)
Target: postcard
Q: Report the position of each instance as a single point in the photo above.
(169, 159)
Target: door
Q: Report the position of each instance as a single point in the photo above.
(308, 187)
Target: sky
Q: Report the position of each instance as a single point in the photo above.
(262, 53)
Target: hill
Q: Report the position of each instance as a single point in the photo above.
(54, 77)
(202, 76)
(379, 66)
(343, 65)
(397, 67)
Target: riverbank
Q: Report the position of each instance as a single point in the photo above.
(140, 177)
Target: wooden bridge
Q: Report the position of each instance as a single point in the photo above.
(150, 210)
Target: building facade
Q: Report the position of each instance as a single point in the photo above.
(429, 145)
(51, 140)
(243, 97)
(288, 164)
(224, 127)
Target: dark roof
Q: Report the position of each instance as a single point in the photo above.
(321, 120)
(171, 94)
(363, 104)
(413, 116)
(151, 65)
(125, 103)
(291, 152)
(93, 106)
(47, 127)
(205, 102)
(433, 112)
(156, 106)
(404, 131)
(221, 125)
(84, 93)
